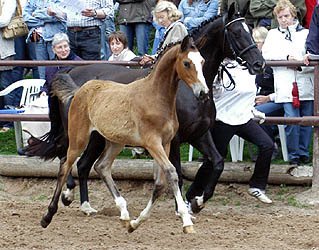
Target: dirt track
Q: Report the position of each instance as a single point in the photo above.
(233, 220)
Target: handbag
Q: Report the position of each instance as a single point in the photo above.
(17, 27)
(295, 94)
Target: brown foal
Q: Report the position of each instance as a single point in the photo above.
(142, 113)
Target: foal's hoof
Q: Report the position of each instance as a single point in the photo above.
(45, 221)
(195, 207)
(130, 227)
(66, 202)
(125, 224)
(189, 230)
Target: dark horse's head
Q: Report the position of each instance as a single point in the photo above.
(228, 36)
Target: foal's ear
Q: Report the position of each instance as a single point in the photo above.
(187, 43)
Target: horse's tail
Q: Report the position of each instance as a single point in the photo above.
(63, 87)
(54, 143)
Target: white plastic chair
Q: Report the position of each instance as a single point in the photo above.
(236, 145)
(31, 88)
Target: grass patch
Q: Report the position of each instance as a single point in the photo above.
(7, 143)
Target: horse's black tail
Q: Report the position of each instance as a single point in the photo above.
(54, 143)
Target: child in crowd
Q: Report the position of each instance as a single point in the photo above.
(119, 47)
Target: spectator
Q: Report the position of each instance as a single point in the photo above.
(262, 12)
(234, 113)
(312, 42)
(167, 15)
(42, 29)
(158, 37)
(241, 6)
(118, 45)
(265, 87)
(290, 38)
(107, 28)
(135, 20)
(197, 11)
(24, 51)
(7, 11)
(62, 51)
(84, 30)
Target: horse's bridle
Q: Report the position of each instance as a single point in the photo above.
(236, 52)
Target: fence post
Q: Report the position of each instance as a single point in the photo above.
(315, 161)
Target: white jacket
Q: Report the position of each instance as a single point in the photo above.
(8, 11)
(235, 107)
(277, 46)
(125, 55)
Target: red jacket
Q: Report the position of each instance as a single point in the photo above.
(310, 4)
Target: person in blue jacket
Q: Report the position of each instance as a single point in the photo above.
(197, 11)
(42, 29)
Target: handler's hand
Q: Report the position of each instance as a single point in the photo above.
(146, 59)
(306, 59)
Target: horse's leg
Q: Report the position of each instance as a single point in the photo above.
(91, 154)
(68, 196)
(175, 159)
(78, 139)
(208, 174)
(167, 170)
(103, 167)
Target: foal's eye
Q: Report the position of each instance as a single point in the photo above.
(186, 64)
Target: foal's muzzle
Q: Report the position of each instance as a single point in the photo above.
(200, 90)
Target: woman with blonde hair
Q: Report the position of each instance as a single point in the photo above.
(294, 88)
(167, 15)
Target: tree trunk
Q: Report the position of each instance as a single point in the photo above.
(19, 166)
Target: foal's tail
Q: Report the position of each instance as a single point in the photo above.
(54, 143)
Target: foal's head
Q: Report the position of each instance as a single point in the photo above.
(189, 64)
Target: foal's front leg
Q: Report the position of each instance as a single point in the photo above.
(103, 167)
(168, 170)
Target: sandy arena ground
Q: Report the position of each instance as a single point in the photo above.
(232, 220)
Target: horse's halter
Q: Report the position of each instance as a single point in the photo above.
(234, 48)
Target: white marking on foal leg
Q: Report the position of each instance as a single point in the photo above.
(69, 194)
(121, 204)
(182, 210)
(144, 215)
(87, 209)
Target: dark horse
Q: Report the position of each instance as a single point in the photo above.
(223, 36)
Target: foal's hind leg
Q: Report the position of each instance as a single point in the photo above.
(103, 167)
(78, 139)
(168, 170)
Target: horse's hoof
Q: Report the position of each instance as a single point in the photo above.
(189, 229)
(65, 200)
(195, 208)
(125, 223)
(130, 229)
(45, 222)
(87, 209)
